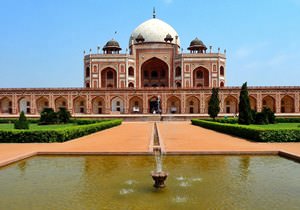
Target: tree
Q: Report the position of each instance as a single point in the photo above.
(214, 104)
(63, 115)
(22, 123)
(48, 116)
(245, 115)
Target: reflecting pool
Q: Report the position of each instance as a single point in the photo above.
(124, 182)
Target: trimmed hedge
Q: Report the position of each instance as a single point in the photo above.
(288, 120)
(260, 135)
(13, 120)
(57, 135)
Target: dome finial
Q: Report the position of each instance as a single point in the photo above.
(154, 13)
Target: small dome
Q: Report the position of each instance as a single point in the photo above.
(140, 38)
(112, 44)
(168, 38)
(197, 44)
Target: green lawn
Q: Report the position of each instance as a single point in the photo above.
(275, 126)
(34, 126)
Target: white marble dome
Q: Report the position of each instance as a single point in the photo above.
(154, 30)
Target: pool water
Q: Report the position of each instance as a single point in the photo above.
(124, 182)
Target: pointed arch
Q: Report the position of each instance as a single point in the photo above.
(192, 105)
(201, 77)
(117, 104)
(6, 105)
(253, 103)
(98, 105)
(287, 104)
(154, 73)
(42, 103)
(173, 105)
(136, 105)
(269, 102)
(108, 78)
(79, 105)
(60, 102)
(24, 105)
(231, 104)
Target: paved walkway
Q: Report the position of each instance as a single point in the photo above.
(184, 137)
(136, 138)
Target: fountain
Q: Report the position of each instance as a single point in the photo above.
(159, 176)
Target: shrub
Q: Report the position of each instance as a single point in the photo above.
(214, 104)
(22, 123)
(288, 120)
(55, 135)
(48, 117)
(260, 135)
(269, 115)
(245, 115)
(63, 115)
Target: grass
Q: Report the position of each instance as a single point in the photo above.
(34, 126)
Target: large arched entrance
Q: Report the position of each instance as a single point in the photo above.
(42, 103)
(60, 102)
(108, 78)
(6, 105)
(201, 77)
(98, 105)
(155, 73)
(231, 105)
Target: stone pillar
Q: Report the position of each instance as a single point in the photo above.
(202, 103)
(33, 107)
(107, 103)
(15, 104)
(126, 104)
(145, 103)
(222, 101)
(297, 108)
(182, 98)
(278, 103)
(70, 103)
(88, 103)
(259, 102)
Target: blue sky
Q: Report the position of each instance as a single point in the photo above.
(42, 41)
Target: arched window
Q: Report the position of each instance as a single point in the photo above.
(131, 71)
(87, 85)
(178, 84)
(87, 72)
(154, 74)
(130, 85)
(110, 75)
(222, 84)
(222, 71)
(178, 72)
(191, 103)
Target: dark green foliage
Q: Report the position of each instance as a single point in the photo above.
(57, 135)
(269, 115)
(13, 120)
(261, 119)
(260, 135)
(214, 104)
(245, 115)
(22, 123)
(48, 117)
(63, 115)
(288, 120)
(225, 120)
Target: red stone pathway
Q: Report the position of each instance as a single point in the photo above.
(135, 138)
(184, 137)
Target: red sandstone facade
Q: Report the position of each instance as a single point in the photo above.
(152, 76)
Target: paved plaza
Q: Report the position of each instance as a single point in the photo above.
(137, 138)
